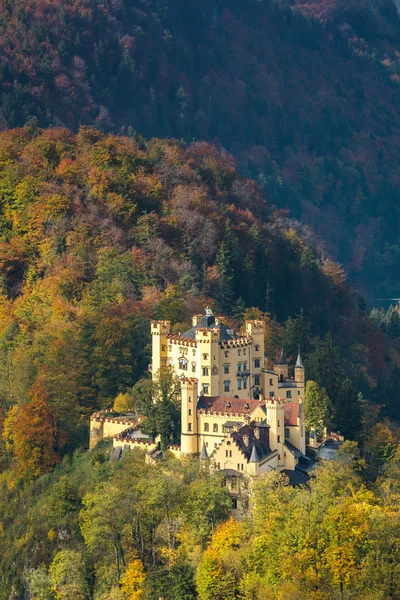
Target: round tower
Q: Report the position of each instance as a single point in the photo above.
(189, 430)
(276, 421)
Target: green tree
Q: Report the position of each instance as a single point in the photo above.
(226, 275)
(348, 411)
(317, 407)
(68, 576)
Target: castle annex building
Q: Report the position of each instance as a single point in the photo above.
(243, 417)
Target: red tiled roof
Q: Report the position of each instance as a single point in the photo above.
(292, 412)
(228, 405)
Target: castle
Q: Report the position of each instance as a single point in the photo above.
(237, 413)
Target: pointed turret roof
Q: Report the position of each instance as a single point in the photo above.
(299, 362)
(254, 456)
(204, 454)
(282, 359)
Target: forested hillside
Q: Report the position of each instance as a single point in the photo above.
(136, 531)
(100, 234)
(304, 93)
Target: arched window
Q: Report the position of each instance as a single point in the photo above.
(215, 428)
(183, 364)
(206, 427)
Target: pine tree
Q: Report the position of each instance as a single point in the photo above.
(316, 407)
(225, 271)
(348, 411)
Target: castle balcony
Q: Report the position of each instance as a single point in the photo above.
(243, 374)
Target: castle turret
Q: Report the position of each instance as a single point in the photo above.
(299, 370)
(189, 431)
(276, 421)
(252, 467)
(282, 368)
(159, 333)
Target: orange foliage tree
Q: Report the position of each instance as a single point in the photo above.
(32, 436)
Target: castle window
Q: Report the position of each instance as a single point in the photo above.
(256, 347)
(241, 466)
(163, 348)
(205, 388)
(288, 394)
(190, 412)
(298, 393)
(279, 423)
(271, 394)
(230, 453)
(279, 439)
(189, 427)
(238, 467)
(228, 405)
(271, 382)
(226, 354)
(226, 369)
(239, 367)
(206, 427)
(215, 444)
(256, 380)
(226, 453)
(205, 356)
(190, 399)
(194, 352)
(246, 406)
(279, 457)
(239, 384)
(205, 371)
(244, 351)
(215, 428)
(287, 432)
(193, 367)
(245, 384)
(239, 352)
(257, 363)
(226, 386)
(245, 366)
(183, 364)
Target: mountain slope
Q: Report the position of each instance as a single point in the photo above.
(305, 102)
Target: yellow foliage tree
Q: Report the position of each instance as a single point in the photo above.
(132, 582)
(121, 403)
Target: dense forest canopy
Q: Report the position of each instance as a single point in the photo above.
(304, 93)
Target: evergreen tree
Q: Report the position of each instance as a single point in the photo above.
(316, 407)
(348, 411)
(225, 272)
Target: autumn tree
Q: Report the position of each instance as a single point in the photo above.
(32, 436)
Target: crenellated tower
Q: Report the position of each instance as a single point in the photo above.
(189, 430)
(159, 338)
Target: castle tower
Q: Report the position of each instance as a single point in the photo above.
(256, 330)
(208, 353)
(299, 370)
(159, 333)
(276, 421)
(189, 431)
(282, 368)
